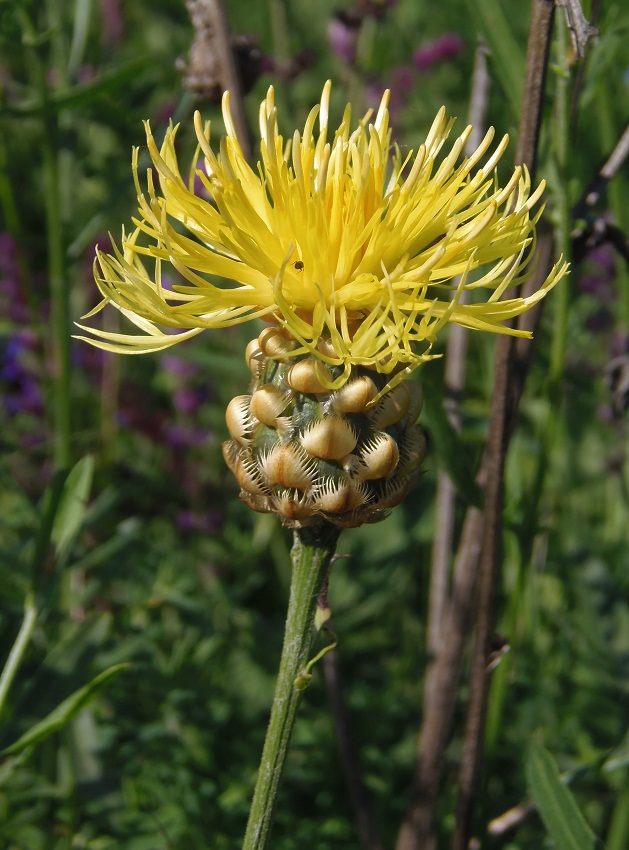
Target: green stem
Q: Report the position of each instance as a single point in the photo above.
(312, 552)
(19, 647)
(562, 146)
(60, 308)
(58, 279)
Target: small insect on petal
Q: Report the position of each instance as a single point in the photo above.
(331, 438)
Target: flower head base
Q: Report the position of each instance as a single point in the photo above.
(336, 237)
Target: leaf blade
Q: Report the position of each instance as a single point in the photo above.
(66, 710)
(555, 803)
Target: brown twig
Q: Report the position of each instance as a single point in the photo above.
(211, 67)
(501, 425)
(448, 615)
(445, 499)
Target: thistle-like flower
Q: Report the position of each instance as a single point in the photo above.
(356, 256)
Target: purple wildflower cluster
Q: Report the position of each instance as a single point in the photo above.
(19, 368)
(343, 36)
(597, 281)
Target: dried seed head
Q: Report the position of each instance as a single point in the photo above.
(354, 396)
(392, 408)
(379, 457)
(330, 438)
(240, 422)
(267, 403)
(273, 343)
(289, 466)
(307, 376)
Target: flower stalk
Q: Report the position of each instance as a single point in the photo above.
(312, 552)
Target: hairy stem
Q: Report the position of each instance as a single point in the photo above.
(312, 551)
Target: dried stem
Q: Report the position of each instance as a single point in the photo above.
(212, 64)
(448, 614)
(454, 382)
(501, 425)
(479, 547)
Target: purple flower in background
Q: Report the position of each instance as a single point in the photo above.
(112, 22)
(183, 436)
(23, 393)
(447, 46)
(12, 303)
(400, 84)
(188, 400)
(599, 273)
(178, 367)
(206, 523)
(343, 31)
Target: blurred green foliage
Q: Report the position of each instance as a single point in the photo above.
(167, 571)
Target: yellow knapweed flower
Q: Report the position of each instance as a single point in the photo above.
(340, 237)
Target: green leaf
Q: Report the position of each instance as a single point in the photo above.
(505, 51)
(71, 509)
(66, 710)
(555, 803)
(50, 505)
(82, 94)
(619, 756)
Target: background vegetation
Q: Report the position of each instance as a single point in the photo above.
(145, 556)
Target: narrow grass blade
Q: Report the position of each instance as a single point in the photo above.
(71, 510)
(66, 710)
(555, 803)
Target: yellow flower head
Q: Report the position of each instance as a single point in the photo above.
(340, 237)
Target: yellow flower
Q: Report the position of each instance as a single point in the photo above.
(343, 238)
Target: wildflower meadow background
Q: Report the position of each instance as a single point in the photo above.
(142, 604)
